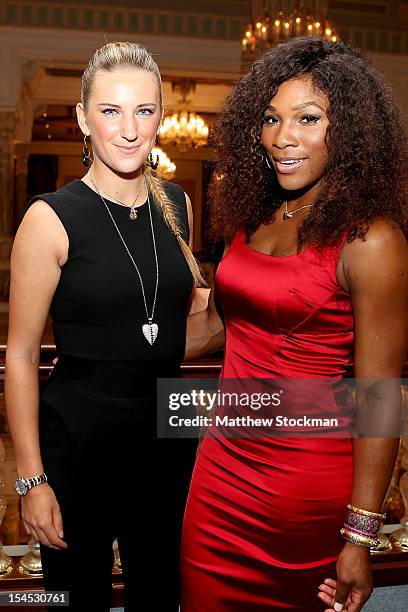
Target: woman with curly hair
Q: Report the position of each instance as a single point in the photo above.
(310, 197)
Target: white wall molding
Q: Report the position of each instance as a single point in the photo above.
(26, 51)
(58, 49)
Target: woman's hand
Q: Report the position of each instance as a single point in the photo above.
(42, 517)
(354, 583)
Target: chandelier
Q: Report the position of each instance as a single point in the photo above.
(184, 129)
(275, 21)
(166, 168)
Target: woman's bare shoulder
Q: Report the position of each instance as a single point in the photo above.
(382, 237)
(41, 226)
(378, 258)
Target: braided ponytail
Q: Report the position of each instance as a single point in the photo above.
(156, 188)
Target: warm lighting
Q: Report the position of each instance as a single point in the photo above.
(271, 25)
(166, 168)
(184, 129)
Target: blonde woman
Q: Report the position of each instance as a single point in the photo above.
(107, 255)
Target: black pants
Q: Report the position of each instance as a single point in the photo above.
(123, 488)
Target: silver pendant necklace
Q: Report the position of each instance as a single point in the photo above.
(149, 329)
(133, 208)
(288, 214)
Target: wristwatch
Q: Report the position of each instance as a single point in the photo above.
(23, 485)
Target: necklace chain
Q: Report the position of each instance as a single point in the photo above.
(152, 333)
(288, 214)
(133, 208)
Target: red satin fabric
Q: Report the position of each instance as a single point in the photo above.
(261, 528)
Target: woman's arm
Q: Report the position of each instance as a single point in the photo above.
(205, 328)
(376, 271)
(205, 331)
(40, 248)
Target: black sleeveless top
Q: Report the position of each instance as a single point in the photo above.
(97, 309)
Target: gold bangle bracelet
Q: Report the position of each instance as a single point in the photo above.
(358, 539)
(353, 534)
(367, 512)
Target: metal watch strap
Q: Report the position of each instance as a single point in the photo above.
(36, 480)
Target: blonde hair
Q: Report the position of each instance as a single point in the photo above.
(131, 56)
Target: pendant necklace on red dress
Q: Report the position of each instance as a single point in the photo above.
(149, 329)
(288, 214)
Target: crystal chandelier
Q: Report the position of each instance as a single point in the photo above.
(275, 21)
(166, 168)
(184, 129)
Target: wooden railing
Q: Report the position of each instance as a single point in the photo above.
(206, 367)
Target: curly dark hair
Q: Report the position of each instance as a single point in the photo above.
(367, 168)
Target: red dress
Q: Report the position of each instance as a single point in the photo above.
(261, 527)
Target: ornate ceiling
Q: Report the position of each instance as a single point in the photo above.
(375, 25)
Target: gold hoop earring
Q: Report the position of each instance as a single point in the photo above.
(86, 154)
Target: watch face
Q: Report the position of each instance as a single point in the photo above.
(21, 488)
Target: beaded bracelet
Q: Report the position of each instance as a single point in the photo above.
(365, 524)
(361, 526)
(369, 534)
